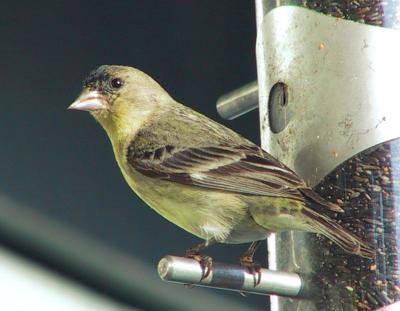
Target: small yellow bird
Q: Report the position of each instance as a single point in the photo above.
(199, 174)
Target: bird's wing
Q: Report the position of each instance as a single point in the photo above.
(242, 169)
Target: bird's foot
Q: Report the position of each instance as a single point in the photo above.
(205, 263)
(252, 268)
(247, 261)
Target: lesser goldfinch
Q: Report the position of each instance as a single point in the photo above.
(197, 173)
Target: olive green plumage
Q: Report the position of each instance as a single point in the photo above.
(197, 173)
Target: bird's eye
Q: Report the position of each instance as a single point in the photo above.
(116, 83)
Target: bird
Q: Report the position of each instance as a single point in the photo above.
(199, 174)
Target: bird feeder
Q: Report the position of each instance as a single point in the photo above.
(329, 109)
(327, 93)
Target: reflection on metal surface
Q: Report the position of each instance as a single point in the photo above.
(336, 72)
(238, 102)
(229, 277)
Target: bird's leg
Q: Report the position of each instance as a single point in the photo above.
(204, 260)
(247, 261)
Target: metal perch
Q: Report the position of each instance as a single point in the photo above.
(232, 277)
(238, 102)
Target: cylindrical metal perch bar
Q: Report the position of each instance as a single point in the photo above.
(232, 277)
(238, 102)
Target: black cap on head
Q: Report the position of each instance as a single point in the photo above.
(96, 77)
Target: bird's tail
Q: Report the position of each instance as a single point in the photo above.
(337, 234)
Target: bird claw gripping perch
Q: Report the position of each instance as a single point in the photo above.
(247, 261)
(252, 268)
(205, 264)
(204, 260)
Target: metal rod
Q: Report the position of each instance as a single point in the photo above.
(239, 101)
(231, 277)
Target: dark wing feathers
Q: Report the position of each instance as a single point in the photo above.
(315, 198)
(243, 169)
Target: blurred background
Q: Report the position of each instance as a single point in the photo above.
(64, 205)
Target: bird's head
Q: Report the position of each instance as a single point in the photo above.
(121, 98)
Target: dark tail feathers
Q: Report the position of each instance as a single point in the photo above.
(337, 234)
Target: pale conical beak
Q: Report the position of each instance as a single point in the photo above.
(90, 101)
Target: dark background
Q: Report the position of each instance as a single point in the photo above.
(60, 162)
